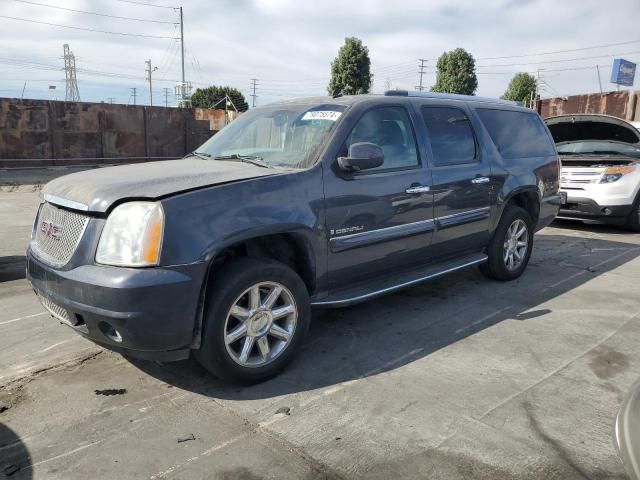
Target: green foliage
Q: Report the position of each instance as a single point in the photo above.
(210, 96)
(521, 88)
(456, 73)
(350, 71)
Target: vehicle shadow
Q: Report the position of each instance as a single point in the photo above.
(15, 459)
(12, 268)
(389, 332)
(580, 226)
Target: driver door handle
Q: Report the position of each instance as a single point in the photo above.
(480, 180)
(418, 189)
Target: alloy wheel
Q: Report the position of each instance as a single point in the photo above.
(515, 245)
(260, 324)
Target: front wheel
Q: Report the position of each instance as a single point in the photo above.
(257, 314)
(633, 220)
(510, 247)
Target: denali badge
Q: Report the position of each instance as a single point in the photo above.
(50, 229)
(340, 231)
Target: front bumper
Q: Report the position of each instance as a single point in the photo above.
(589, 209)
(149, 313)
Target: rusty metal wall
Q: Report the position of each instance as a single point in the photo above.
(216, 117)
(622, 104)
(42, 132)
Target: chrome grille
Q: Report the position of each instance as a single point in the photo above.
(56, 310)
(575, 177)
(57, 233)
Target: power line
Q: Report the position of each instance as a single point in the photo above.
(559, 61)
(93, 13)
(82, 28)
(561, 51)
(146, 4)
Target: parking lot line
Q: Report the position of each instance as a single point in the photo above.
(23, 318)
(207, 452)
(583, 272)
(559, 369)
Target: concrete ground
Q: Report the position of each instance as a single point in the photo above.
(458, 378)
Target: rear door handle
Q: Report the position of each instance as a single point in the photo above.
(481, 180)
(418, 189)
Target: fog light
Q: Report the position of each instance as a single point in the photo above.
(110, 332)
(607, 211)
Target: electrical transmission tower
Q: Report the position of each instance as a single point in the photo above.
(421, 71)
(254, 85)
(73, 95)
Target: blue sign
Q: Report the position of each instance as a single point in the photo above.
(623, 72)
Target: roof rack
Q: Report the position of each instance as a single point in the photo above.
(448, 96)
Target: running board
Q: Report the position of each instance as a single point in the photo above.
(369, 290)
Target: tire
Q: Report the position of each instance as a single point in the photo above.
(503, 263)
(233, 287)
(633, 220)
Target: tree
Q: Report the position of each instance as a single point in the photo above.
(521, 88)
(351, 69)
(210, 96)
(456, 73)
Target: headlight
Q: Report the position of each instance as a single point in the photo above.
(613, 174)
(132, 236)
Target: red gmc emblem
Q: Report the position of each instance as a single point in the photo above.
(50, 229)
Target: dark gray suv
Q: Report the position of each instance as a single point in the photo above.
(320, 202)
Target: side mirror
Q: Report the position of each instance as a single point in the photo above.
(362, 156)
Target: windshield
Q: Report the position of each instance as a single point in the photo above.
(275, 136)
(598, 147)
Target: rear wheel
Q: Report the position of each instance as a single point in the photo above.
(510, 248)
(257, 314)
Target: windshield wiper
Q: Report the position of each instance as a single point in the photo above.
(203, 155)
(252, 159)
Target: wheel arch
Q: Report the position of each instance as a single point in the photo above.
(294, 246)
(526, 197)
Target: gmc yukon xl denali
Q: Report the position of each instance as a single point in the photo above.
(320, 202)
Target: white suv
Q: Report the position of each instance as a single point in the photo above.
(600, 176)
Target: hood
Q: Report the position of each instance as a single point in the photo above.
(576, 128)
(96, 190)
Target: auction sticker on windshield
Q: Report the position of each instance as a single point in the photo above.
(322, 115)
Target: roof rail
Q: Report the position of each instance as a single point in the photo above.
(448, 96)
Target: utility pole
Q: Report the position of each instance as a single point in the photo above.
(182, 44)
(421, 72)
(133, 94)
(149, 71)
(183, 90)
(253, 90)
(599, 80)
(72, 95)
(23, 88)
(166, 97)
(111, 99)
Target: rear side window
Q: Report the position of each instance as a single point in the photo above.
(452, 139)
(517, 134)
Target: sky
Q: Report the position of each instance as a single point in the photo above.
(288, 45)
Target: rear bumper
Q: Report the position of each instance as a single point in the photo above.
(587, 208)
(148, 313)
(549, 207)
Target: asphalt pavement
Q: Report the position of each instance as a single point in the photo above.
(457, 378)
